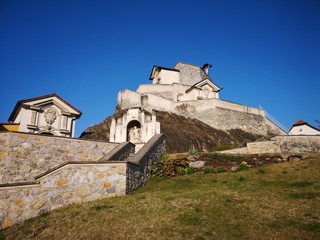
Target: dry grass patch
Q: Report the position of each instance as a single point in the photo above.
(279, 201)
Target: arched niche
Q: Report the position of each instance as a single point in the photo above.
(134, 131)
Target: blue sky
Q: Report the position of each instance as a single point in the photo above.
(265, 53)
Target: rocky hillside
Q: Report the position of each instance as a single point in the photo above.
(183, 134)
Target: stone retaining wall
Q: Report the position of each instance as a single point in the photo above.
(281, 144)
(298, 144)
(54, 182)
(140, 166)
(23, 155)
(72, 183)
(216, 113)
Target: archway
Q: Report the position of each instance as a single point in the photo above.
(134, 131)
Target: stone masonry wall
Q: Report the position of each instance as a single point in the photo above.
(140, 166)
(298, 144)
(23, 156)
(217, 113)
(281, 144)
(58, 181)
(72, 183)
(225, 119)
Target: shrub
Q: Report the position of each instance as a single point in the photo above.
(221, 169)
(243, 168)
(168, 168)
(207, 169)
(193, 151)
(187, 170)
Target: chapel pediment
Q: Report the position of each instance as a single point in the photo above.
(48, 114)
(205, 84)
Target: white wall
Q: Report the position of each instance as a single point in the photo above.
(303, 130)
(36, 118)
(167, 77)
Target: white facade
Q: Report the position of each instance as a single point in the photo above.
(188, 91)
(134, 125)
(47, 114)
(303, 128)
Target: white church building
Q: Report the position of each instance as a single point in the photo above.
(185, 90)
(48, 114)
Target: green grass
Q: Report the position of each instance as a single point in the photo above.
(280, 201)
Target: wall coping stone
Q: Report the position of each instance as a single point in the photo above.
(116, 151)
(145, 150)
(53, 136)
(75, 163)
(20, 184)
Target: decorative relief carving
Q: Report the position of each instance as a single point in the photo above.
(50, 115)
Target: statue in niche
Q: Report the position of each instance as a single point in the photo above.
(134, 135)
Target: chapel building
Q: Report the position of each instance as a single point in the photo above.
(189, 91)
(48, 114)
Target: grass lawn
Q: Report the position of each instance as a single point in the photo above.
(280, 201)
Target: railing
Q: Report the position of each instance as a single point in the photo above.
(275, 122)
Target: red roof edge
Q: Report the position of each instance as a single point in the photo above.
(300, 122)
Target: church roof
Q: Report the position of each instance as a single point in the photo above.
(300, 122)
(190, 73)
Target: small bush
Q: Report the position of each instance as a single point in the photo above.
(207, 169)
(193, 151)
(243, 168)
(169, 168)
(188, 170)
(221, 170)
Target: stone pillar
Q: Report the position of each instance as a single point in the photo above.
(33, 118)
(143, 127)
(64, 119)
(154, 124)
(124, 128)
(112, 130)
